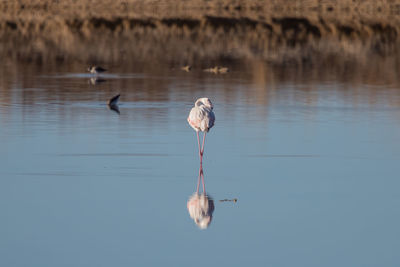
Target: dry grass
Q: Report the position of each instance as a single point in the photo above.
(353, 41)
(198, 32)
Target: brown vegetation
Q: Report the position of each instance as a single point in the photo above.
(269, 41)
(198, 32)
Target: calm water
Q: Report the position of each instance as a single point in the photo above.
(314, 164)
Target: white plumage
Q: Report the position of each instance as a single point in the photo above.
(201, 117)
(201, 208)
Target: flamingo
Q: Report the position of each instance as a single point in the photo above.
(201, 118)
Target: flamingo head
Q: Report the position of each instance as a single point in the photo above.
(204, 101)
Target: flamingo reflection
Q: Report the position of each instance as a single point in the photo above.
(201, 206)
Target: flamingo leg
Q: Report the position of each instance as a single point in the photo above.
(202, 176)
(198, 180)
(204, 140)
(200, 153)
(201, 148)
(198, 141)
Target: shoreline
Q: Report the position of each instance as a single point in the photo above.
(198, 31)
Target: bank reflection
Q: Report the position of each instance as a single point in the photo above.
(200, 205)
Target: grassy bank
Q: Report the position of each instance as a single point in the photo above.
(198, 32)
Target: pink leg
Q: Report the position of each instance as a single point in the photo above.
(198, 180)
(202, 147)
(200, 154)
(202, 176)
(198, 141)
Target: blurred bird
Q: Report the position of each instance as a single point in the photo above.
(113, 103)
(223, 70)
(96, 69)
(187, 68)
(114, 100)
(201, 118)
(217, 70)
(212, 70)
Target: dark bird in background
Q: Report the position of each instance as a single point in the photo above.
(114, 100)
(113, 103)
(96, 69)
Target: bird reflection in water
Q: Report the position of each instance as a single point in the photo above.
(201, 206)
(114, 108)
(96, 80)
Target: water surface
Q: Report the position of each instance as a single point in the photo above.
(313, 162)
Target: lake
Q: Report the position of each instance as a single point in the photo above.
(313, 161)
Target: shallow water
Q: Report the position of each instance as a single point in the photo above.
(313, 163)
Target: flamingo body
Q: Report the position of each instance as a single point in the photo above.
(201, 117)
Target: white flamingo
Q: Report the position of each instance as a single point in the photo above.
(201, 118)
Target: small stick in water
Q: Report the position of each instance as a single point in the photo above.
(230, 200)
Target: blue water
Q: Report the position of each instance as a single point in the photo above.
(314, 166)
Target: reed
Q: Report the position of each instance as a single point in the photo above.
(198, 32)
